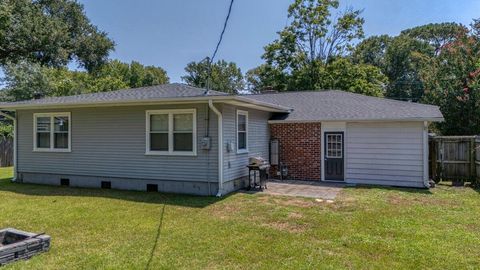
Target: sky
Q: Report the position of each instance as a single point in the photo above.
(172, 33)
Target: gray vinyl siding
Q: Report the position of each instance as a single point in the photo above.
(258, 140)
(385, 153)
(110, 142)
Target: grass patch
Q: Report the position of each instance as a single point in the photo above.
(366, 227)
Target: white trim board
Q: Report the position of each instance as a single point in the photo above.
(171, 151)
(52, 148)
(244, 113)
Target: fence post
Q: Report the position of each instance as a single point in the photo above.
(473, 165)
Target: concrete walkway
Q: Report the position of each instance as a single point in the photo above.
(309, 189)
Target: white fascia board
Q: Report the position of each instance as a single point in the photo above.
(357, 120)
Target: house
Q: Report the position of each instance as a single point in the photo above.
(167, 138)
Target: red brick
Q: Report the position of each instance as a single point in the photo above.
(300, 147)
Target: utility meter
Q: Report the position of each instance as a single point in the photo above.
(205, 143)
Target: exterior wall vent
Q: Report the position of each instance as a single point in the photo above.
(152, 188)
(65, 182)
(106, 184)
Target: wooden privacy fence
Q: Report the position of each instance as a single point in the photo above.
(6, 152)
(454, 158)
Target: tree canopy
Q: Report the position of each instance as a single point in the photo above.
(25, 80)
(50, 32)
(312, 51)
(221, 76)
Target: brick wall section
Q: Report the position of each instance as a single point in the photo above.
(300, 146)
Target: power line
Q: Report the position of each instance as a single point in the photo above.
(210, 61)
(223, 31)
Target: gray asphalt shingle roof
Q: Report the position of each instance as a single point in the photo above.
(339, 105)
(163, 91)
(306, 106)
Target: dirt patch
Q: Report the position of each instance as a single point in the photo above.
(224, 211)
(297, 202)
(394, 199)
(295, 215)
(286, 227)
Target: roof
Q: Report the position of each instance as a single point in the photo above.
(331, 105)
(335, 105)
(163, 91)
(174, 92)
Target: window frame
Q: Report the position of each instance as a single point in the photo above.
(244, 113)
(171, 132)
(52, 132)
(337, 150)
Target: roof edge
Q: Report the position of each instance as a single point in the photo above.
(423, 119)
(136, 102)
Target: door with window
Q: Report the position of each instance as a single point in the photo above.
(334, 156)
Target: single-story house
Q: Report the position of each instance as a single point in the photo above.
(182, 139)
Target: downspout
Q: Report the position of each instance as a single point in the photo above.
(14, 119)
(220, 147)
(425, 155)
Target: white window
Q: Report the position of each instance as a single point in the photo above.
(242, 131)
(52, 132)
(334, 145)
(171, 132)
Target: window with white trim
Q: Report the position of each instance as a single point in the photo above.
(334, 145)
(171, 132)
(242, 131)
(52, 132)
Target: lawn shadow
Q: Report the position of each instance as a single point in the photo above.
(391, 188)
(134, 196)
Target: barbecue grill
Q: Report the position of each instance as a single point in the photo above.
(259, 166)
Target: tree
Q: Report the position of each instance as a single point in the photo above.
(452, 81)
(313, 38)
(372, 51)
(266, 77)
(436, 35)
(50, 32)
(402, 58)
(357, 78)
(312, 45)
(224, 76)
(131, 75)
(24, 81)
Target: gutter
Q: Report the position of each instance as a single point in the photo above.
(14, 119)
(220, 147)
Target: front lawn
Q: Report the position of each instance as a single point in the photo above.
(374, 228)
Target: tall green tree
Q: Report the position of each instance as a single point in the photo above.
(221, 76)
(402, 58)
(372, 51)
(452, 81)
(313, 44)
(26, 80)
(132, 75)
(50, 32)
(345, 75)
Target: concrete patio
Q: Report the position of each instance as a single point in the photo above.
(309, 189)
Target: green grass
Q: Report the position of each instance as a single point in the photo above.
(374, 228)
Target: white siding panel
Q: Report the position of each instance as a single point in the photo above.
(385, 153)
(110, 142)
(235, 164)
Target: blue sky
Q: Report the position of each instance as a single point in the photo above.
(172, 33)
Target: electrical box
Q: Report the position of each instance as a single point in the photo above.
(205, 143)
(230, 147)
(274, 152)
